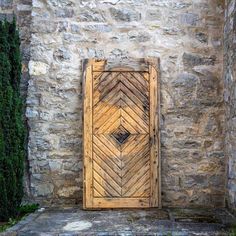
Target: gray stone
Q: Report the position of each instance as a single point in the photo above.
(64, 13)
(139, 36)
(189, 19)
(191, 60)
(153, 15)
(62, 54)
(174, 221)
(43, 190)
(185, 80)
(124, 15)
(202, 37)
(91, 16)
(6, 16)
(6, 3)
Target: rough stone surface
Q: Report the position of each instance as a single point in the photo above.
(230, 98)
(185, 34)
(76, 222)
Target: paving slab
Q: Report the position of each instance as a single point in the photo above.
(123, 222)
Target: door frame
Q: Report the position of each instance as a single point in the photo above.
(150, 65)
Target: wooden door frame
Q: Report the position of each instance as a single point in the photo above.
(150, 65)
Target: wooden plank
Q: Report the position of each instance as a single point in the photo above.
(102, 93)
(131, 182)
(144, 98)
(142, 78)
(87, 137)
(104, 164)
(139, 129)
(134, 144)
(142, 112)
(133, 115)
(103, 106)
(154, 129)
(136, 83)
(106, 181)
(110, 124)
(105, 184)
(141, 187)
(109, 161)
(99, 191)
(120, 202)
(102, 146)
(98, 77)
(109, 144)
(134, 98)
(106, 80)
(135, 163)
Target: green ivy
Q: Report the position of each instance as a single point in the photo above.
(12, 128)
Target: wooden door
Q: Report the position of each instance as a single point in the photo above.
(121, 137)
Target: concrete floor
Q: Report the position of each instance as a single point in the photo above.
(141, 222)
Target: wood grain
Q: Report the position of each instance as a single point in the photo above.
(121, 134)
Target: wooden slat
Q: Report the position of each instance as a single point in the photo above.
(136, 162)
(87, 137)
(120, 202)
(100, 95)
(109, 160)
(130, 77)
(135, 144)
(134, 98)
(134, 116)
(106, 80)
(102, 146)
(110, 124)
(102, 107)
(99, 191)
(101, 162)
(142, 78)
(110, 188)
(139, 129)
(106, 180)
(154, 129)
(138, 93)
(141, 187)
(143, 112)
(131, 182)
(108, 143)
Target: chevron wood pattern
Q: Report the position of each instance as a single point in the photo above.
(121, 159)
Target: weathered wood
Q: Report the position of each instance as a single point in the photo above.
(121, 167)
(120, 202)
(154, 129)
(87, 137)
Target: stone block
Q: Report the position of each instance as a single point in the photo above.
(191, 60)
(190, 19)
(125, 15)
(37, 68)
(6, 4)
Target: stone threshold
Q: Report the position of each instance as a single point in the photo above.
(127, 222)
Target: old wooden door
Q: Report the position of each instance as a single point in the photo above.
(121, 137)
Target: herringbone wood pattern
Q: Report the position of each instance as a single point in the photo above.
(121, 109)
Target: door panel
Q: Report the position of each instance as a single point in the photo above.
(121, 146)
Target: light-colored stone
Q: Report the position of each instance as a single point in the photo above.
(38, 68)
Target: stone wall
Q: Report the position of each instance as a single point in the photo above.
(185, 34)
(230, 98)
